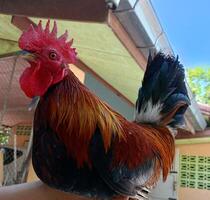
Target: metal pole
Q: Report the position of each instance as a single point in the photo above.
(1, 167)
(15, 156)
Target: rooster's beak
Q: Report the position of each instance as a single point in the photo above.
(28, 56)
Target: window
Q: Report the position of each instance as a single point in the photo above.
(23, 130)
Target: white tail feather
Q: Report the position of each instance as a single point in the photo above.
(149, 113)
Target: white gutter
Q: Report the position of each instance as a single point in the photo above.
(139, 19)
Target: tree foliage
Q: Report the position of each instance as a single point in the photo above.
(199, 81)
(3, 139)
(4, 135)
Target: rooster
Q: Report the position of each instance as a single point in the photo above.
(81, 145)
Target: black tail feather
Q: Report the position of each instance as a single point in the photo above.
(163, 89)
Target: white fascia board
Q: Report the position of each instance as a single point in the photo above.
(140, 21)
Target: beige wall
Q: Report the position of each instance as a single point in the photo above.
(31, 174)
(198, 150)
(1, 167)
(78, 73)
(193, 194)
(195, 149)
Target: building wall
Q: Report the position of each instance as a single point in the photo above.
(1, 167)
(21, 141)
(31, 174)
(196, 150)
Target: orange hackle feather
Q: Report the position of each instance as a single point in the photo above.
(78, 116)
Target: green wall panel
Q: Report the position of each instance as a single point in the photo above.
(195, 172)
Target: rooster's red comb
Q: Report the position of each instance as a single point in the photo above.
(35, 38)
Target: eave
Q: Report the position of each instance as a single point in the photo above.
(77, 10)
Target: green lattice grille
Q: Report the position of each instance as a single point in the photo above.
(23, 130)
(195, 172)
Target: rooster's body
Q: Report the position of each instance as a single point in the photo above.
(83, 146)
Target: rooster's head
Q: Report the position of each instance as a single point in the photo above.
(48, 56)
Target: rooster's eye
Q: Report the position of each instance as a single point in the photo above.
(53, 55)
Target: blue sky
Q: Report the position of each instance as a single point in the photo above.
(187, 26)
